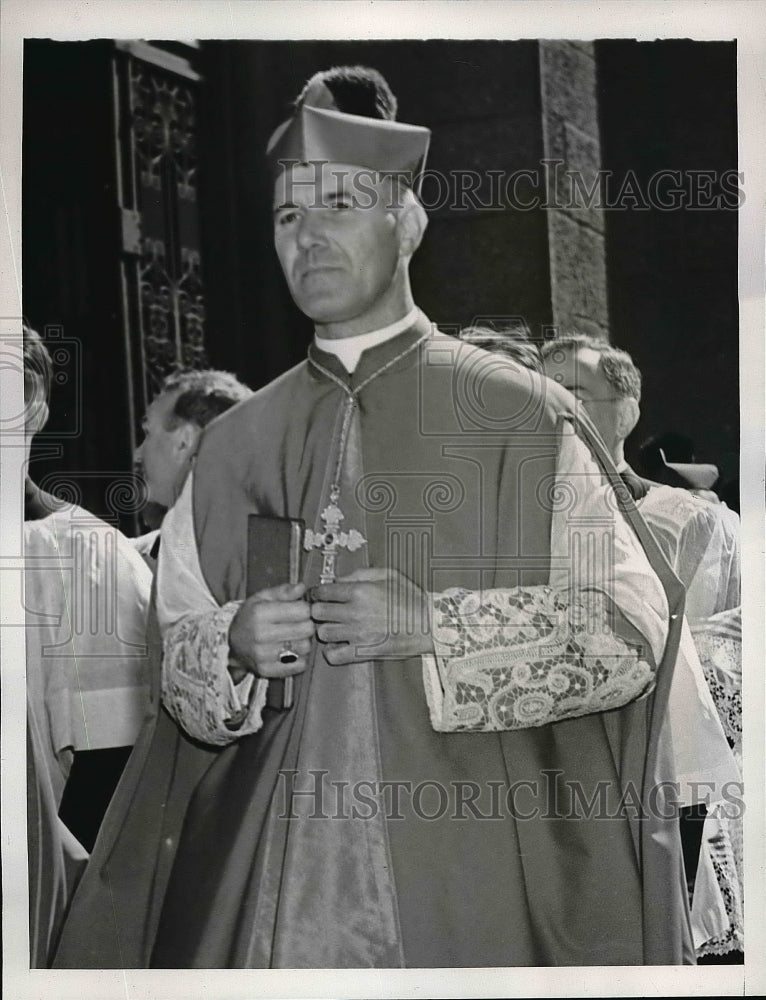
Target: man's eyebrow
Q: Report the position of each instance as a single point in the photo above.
(284, 204)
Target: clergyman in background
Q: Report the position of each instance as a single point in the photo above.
(86, 599)
(186, 403)
(701, 541)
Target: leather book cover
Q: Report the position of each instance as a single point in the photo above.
(273, 551)
(274, 546)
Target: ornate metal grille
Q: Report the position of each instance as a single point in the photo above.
(163, 302)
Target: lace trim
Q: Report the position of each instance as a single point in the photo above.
(718, 640)
(720, 654)
(197, 688)
(720, 842)
(515, 659)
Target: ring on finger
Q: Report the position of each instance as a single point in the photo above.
(286, 653)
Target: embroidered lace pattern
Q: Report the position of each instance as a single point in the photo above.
(719, 644)
(721, 833)
(197, 688)
(513, 659)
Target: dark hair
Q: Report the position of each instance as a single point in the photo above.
(202, 395)
(616, 365)
(356, 90)
(37, 361)
(511, 342)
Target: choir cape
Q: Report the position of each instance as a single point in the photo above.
(281, 846)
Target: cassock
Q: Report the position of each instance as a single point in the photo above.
(273, 842)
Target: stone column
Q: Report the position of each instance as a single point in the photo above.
(575, 219)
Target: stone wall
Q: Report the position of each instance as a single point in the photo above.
(575, 220)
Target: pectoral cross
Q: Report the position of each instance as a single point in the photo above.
(331, 538)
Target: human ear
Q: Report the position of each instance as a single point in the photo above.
(411, 224)
(187, 437)
(627, 417)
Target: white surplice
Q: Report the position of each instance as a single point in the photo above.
(86, 601)
(701, 541)
(197, 687)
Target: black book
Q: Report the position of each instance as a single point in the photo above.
(274, 558)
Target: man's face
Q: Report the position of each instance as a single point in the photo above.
(335, 234)
(163, 463)
(578, 370)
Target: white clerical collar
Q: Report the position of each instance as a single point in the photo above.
(350, 349)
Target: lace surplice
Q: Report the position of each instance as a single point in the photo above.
(701, 541)
(565, 645)
(527, 657)
(719, 643)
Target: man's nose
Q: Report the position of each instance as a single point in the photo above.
(310, 231)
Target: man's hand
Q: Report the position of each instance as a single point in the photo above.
(263, 623)
(371, 614)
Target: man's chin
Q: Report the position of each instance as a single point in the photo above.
(325, 311)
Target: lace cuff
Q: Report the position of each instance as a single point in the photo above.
(197, 688)
(524, 657)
